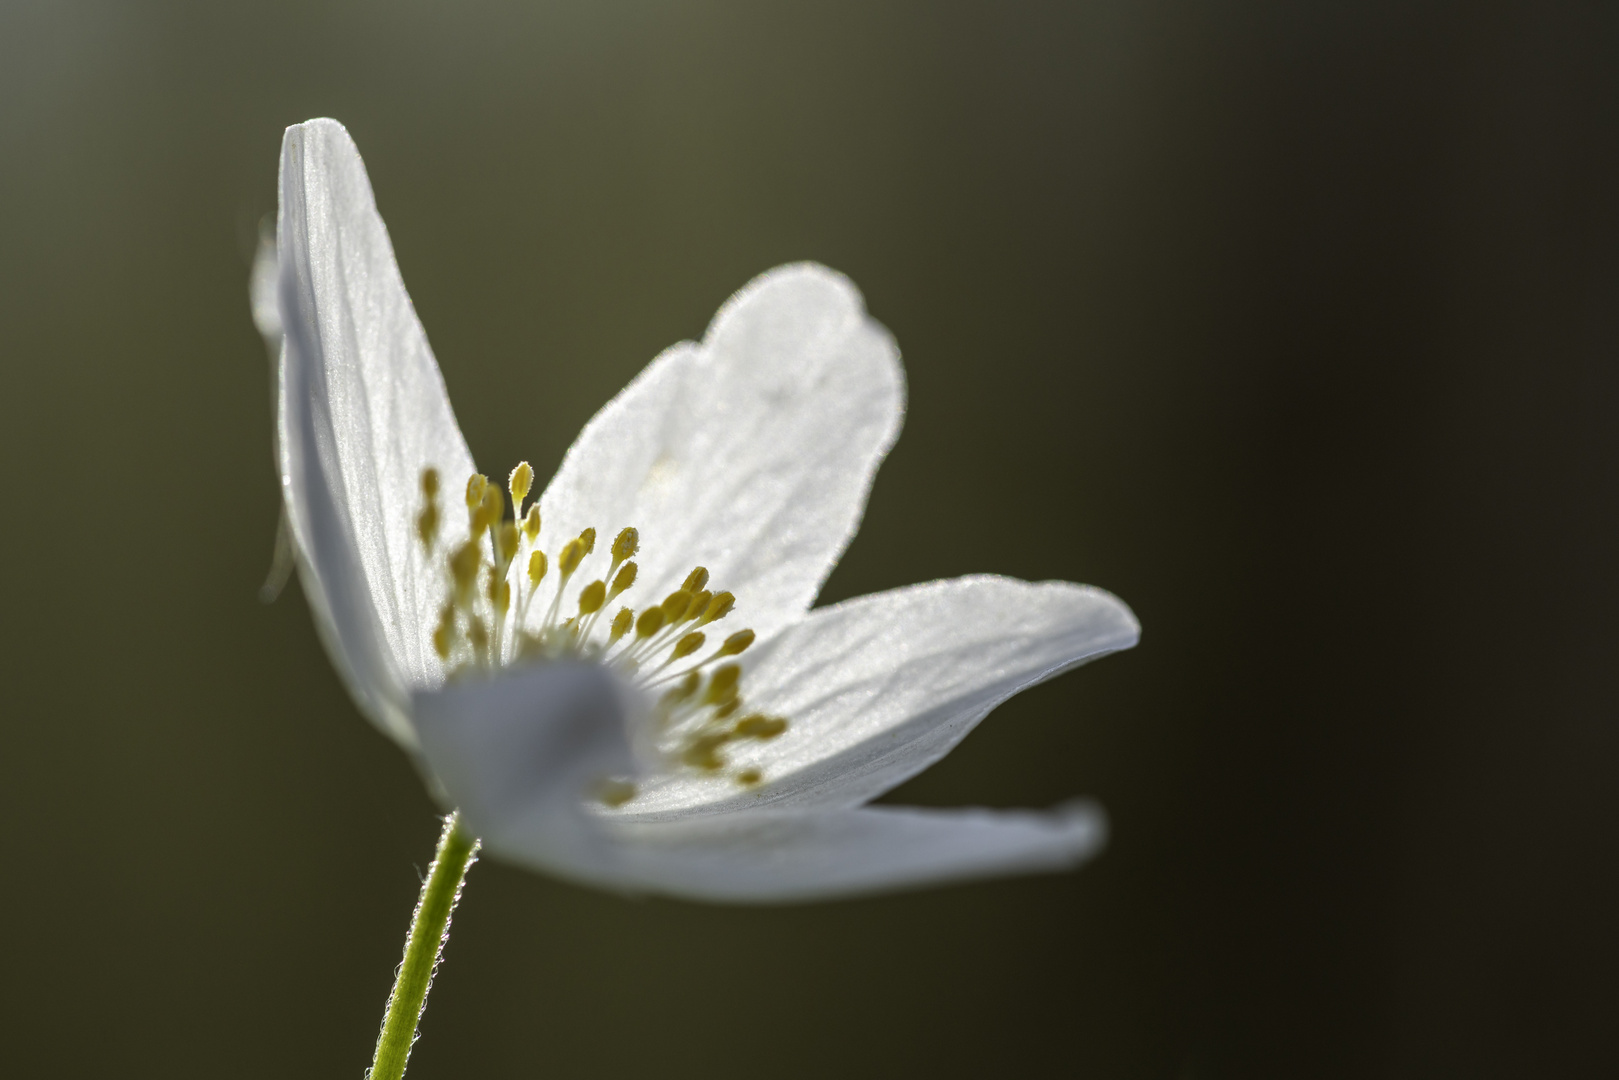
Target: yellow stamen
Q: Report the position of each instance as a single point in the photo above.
(698, 714)
(477, 483)
(518, 484)
(687, 645)
(573, 553)
(489, 511)
(719, 607)
(737, 643)
(626, 544)
(675, 605)
(505, 543)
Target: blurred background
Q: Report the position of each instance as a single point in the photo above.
(1295, 324)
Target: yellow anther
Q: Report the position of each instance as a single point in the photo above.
(427, 525)
(506, 543)
(675, 605)
(728, 708)
(430, 483)
(760, 726)
(477, 484)
(464, 565)
(592, 597)
(719, 607)
(615, 793)
(568, 559)
(722, 684)
(749, 777)
(521, 480)
(737, 643)
(482, 597)
(489, 511)
(626, 544)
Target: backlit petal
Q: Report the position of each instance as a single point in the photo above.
(363, 412)
(775, 856)
(878, 688)
(750, 453)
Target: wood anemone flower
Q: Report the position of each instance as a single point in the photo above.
(663, 711)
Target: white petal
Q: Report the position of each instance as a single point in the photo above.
(777, 856)
(751, 453)
(363, 412)
(878, 688)
(517, 755)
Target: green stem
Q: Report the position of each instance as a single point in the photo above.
(429, 928)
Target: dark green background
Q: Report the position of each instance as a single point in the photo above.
(1296, 324)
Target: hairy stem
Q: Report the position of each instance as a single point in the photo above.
(429, 928)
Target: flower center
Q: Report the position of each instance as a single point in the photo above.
(504, 604)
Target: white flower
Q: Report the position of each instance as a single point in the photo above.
(654, 751)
